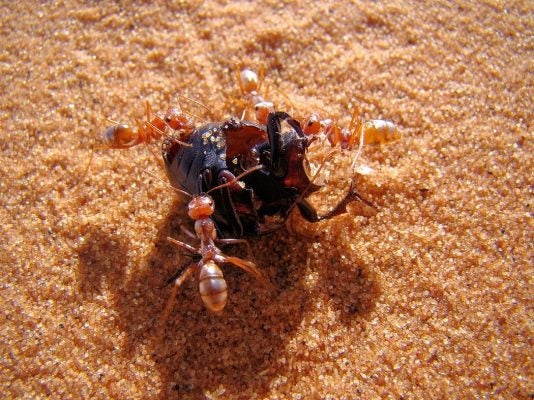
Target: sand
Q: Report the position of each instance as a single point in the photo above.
(428, 296)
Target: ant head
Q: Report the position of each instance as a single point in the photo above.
(177, 120)
(312, 125)
(201, 206)
(263, 109)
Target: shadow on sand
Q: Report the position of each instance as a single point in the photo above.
(198, 352)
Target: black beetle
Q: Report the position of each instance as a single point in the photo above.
(262, 200)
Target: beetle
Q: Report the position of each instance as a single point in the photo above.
(262, 200)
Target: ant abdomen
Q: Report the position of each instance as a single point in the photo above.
(379, 131)
(118, 135)
(212, 287)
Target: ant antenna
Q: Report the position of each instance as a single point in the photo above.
(235, 179)
(170, 187)
(166, 135)
(198, 103)
(113, 121)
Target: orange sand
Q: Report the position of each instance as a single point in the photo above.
(429, 297)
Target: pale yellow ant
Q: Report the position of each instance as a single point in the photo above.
(250, 84)
(122, 136)
(374, 131)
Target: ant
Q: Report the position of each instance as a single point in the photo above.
(359, 132)
(122, 136)
(250, 85)
(374, 131)
(212, 285)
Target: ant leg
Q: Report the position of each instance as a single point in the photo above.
(247, 266)
(158, 160)
(333, 134)
(188, 232)
(170, 302)
(86, 169)
(237, 241)
(290, 104)
(360, 148)
(261, 77)
(355, 120)
(148, 110)
(183, 245)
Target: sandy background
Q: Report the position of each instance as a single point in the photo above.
(426, 298)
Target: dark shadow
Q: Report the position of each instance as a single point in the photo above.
(344, 280)
(199, 352)
(352, 289)
(102, 257)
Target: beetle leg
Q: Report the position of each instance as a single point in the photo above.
(178, 272)
(310, 214)
(308, 211)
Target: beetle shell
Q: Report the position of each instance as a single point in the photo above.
(219, 152)
(203, 165)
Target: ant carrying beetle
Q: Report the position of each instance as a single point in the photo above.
(122, 136)
(375, 131)
(221, 151)
(250, 85)
(211, 286)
